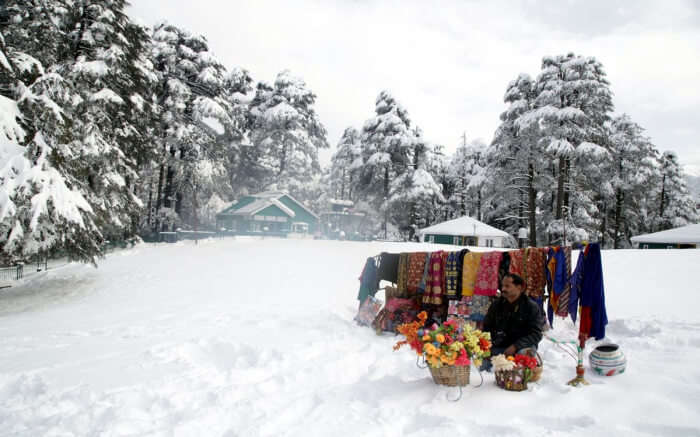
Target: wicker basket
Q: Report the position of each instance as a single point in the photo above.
(514, 380)
(451, 376)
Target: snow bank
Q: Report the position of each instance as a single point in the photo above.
(255, 337)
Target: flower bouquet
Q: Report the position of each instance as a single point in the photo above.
(448, 349)
(513, 373)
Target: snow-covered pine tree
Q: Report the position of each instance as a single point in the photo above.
(439, 165)
(633, 170)
(675, 205)
(414, 194)
(387, 143)
(235, 141)
(345, 164)
(287, 134)
(190, 93)
(42, 208)
(515, 172)
(107, 64)
(573, 104)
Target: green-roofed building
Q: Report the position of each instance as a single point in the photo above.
(273, 213)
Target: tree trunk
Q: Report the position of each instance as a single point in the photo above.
(531, 197)
(663, 197)
(342, 186)
(159, 197)
(560, 189)
(478, 205)
(567, 190)
(386, 199)
(619, 196)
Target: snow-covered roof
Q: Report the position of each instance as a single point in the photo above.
(265, 199)
(684, 235)
(464, 226)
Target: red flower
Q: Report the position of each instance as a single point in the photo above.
(484, 344)
(462, 359)
(526, 361)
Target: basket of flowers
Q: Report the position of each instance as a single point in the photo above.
(513, 373)
(448, 349)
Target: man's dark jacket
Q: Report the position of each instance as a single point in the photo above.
(519, 323)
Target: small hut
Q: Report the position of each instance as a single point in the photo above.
(466, 231)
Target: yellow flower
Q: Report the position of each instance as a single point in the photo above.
(440, 338)
(426, 337)
(430, 349)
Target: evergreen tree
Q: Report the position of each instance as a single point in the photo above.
(42, 207)
(675, 205)
(287, 134)
(413, 194)
(345, 164)
(107, 64)
(387, 144)
(190, 93)
(633, 169)
(515, 172)
(571, 108)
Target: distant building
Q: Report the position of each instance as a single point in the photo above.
(273, 213)
(685, 237)
(465, 231)
(342, 221)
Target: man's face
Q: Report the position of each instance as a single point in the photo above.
(511, 291)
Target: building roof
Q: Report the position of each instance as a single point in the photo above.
(464, 226)
(262, 201)
(684, 235)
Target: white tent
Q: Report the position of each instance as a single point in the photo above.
(687, 236)
(465, 231)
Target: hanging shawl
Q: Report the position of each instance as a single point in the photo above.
(435, 287)
(576, 281)
(452, 274)
(591, 293)
(388, 267)
(424, 277)
(402, 274)
(416, 265)
(517, 260)
(368, 280)
(470, 268)
(460, 266)
(558, 277)
(535, 278)
(487, 276)
(563, 308)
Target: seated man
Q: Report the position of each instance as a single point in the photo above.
(514, 321)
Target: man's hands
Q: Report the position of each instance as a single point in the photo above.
(510, 350)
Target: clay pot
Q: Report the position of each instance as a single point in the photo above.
(608, 360)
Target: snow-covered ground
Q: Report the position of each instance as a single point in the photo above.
(255, 337)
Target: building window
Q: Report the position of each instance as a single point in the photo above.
(489, 242)
(281, 219)
(455, 241)
(255, 227)
(645, 246)
(259, 218)
(431, 239)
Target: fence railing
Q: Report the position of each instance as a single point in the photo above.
(14, 273)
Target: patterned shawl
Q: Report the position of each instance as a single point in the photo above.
(535, 279)
(435, 287)
(487, 276)
(416, 265)
(470, 267)
(563, 307)
(402, 274)
(452, 273)
(517, 258)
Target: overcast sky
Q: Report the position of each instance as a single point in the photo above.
(449, 62)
